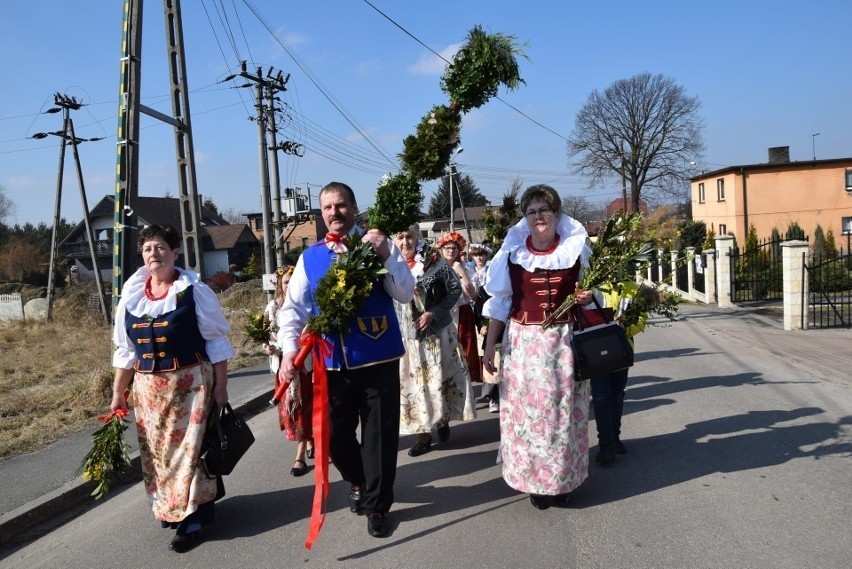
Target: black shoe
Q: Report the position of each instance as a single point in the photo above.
(560, 500)
(606, 454)
(299, 470)
(444, 433)
(420, 447)
(182, 543)
(541, 502)
(356, 501)
(310, 452)
(619, 447)
(377, 525)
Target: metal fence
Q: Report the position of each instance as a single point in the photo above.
(756, 272)
(829, 302)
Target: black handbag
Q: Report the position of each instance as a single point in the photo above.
(599, 349)
(227, 439)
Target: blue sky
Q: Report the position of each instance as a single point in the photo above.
(768, 73)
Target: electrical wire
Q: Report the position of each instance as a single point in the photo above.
(415, 38)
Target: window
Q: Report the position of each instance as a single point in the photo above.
(720, 189)
(701, 192)
(258, 224)
(847, 225)
(723, 229)
(849, 180)
(304, 242)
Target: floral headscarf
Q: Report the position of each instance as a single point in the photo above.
(455, 237)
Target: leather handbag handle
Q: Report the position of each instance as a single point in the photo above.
(600, 310)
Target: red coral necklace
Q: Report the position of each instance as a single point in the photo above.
(150, 295)
(548, 251)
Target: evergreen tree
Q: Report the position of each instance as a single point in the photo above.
(464, 187)
(819, 243)
(210, 204)
(795, 231)
(831, 252)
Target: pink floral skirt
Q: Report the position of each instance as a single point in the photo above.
(544, 414)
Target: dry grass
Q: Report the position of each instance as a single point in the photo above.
(56, 377)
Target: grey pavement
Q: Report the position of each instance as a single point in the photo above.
(740, 437)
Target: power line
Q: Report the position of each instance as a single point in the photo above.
(415, 38)
(316, 81)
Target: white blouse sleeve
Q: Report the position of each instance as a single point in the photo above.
(212, 323)
(399, 282)
(124, 356)
(498, 285)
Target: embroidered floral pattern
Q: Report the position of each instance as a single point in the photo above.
(434, 382)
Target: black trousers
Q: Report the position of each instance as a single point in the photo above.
(369, 395)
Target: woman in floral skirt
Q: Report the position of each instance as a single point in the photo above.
(434, 383)
(294, 411)
(543, 411)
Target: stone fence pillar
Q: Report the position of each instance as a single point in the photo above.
(690, 271)
(794, 254)
(674, 268)
(724, 244)
(710, 276)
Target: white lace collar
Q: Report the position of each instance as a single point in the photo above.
(572, 245)
(139, 305)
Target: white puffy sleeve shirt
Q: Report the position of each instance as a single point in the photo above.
(212, 324)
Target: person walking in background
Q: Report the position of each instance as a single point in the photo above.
(451, 245)
(543, 411)
(172, 341)
(490, 388)
(363, 371)
(608, 390)
(294, 411)
(434, 383)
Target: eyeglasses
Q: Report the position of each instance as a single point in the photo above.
(543, 212)
(450, 248)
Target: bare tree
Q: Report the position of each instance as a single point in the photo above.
(645, 128)
(578, 207)
(233, 216)
(7, 206)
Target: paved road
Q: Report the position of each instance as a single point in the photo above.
(740, 437)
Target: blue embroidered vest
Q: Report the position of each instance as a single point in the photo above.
(169, 342)
(373, 336)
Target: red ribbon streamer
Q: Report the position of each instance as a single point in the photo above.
(322, 349)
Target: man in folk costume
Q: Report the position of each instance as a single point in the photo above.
(363, 367)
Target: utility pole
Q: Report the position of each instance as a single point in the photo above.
(265, 87)
(277, 223)
(67, 135)
(452, 167)
(190, 206)
(127, 149)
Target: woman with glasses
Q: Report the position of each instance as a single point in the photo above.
(543, 411)
(452, 245)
